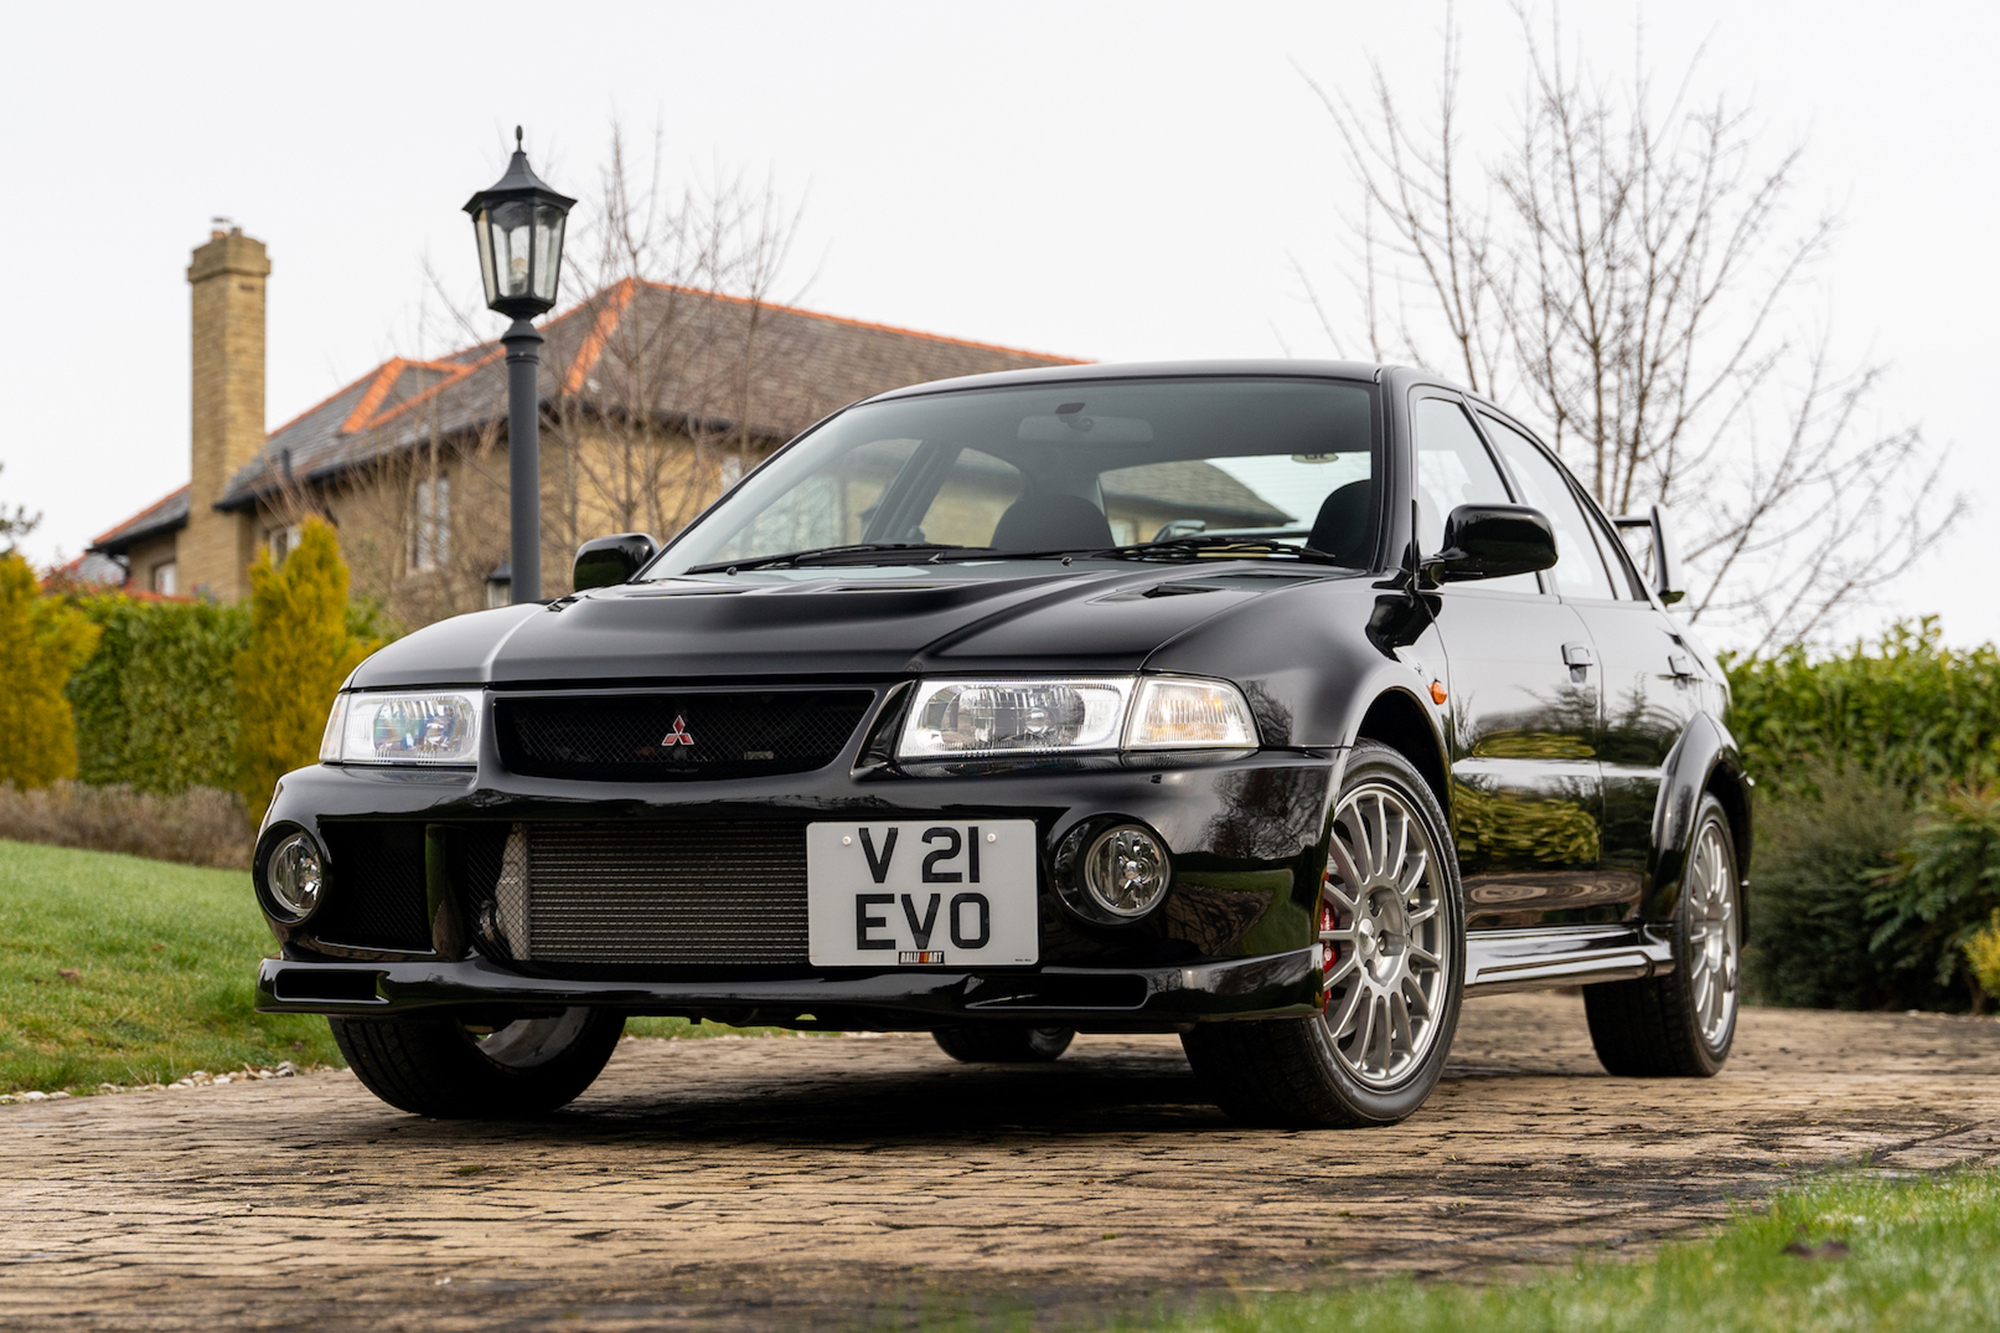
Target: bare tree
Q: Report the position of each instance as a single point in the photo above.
(1630, 270)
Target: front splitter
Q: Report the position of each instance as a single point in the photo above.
(1091, 999)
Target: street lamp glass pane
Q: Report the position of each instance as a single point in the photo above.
(480, 228)
(548, 250)
(513, 231)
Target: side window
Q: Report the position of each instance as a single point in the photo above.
(1624, 571)
(1579, 570)
(833, 509)
(1453, 468)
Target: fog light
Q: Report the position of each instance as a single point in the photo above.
(293, 877)
(1126, 871)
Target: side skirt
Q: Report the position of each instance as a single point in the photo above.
(1506, 960)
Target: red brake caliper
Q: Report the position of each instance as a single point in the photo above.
(1329, 953)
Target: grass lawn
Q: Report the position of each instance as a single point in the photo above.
(1888, 1255)
(115, 969)
(164, 958)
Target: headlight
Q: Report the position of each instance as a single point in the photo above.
(976, 718)
(380, 727)
(973, 719)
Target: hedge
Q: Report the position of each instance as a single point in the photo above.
(156, 705)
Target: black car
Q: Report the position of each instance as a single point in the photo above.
(1278, 705)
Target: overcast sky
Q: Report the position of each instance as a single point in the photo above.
(1102, 180)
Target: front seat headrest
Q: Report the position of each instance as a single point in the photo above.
(1341, 530)
(1052, 523)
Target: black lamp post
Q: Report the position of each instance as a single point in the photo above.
(519, 225)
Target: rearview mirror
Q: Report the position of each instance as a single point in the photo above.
(1488, 541)
(604, 561)
(1665, 556)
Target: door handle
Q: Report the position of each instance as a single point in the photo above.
(1681, 665)
(1578, 655)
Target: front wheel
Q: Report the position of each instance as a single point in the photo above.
(1682, 1025)
(439, 1065)
(1392, 941)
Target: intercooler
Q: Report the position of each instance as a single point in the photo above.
(649, 895)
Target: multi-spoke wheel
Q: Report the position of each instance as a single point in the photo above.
(1391, 951)
(1682, 1024)
(441, 1065)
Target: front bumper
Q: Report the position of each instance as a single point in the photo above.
(1088, 999)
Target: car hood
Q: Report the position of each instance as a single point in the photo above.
(869, 622)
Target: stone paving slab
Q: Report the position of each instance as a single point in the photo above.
(844, 1182)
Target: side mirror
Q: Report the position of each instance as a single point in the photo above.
(604, 561)
(1493, 541)
(1666, 556)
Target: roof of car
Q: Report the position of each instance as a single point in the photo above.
(1247, 367)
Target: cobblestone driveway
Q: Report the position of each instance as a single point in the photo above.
(847, 1182)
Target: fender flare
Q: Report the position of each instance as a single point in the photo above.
(1704, 758)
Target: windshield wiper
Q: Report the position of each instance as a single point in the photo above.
(815, 554)
(1196, 543)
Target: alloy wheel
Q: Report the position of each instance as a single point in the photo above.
(1386, 951)
(1714, 935)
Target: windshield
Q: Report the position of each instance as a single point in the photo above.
(1268, 466)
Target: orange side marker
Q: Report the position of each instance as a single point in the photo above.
(1437, 692)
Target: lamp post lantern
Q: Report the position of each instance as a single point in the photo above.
(519, 226)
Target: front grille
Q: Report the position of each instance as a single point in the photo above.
(674, 895)
(664, 736)
(374, 887)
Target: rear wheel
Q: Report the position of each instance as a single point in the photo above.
(1682, 1025)
(1003, 1043)
(439, 1065)
(1392, 939)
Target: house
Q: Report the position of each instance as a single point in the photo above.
(654, 399)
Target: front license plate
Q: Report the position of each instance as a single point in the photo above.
(914, 893)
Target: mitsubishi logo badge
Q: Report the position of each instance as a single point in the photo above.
(679, 735)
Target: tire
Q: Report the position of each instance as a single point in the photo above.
(1003, 1043)
(438, 1066)
(1682, 1025)
(1386, 948)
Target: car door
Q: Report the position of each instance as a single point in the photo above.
(1526, 795)
(1647, 675)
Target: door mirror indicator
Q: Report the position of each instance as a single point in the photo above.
(604, 561)
(1666, 556)
(1490, 541)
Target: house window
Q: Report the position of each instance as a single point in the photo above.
(282, 541)
(430, 528)
(163, 578)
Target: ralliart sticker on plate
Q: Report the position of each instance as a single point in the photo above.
(919, 893)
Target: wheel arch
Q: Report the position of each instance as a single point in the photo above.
(1394, 718)
(1703, 762)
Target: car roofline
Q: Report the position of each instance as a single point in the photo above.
(1246, 368)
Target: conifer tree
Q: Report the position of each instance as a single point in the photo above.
(42, 643)
(300, 650)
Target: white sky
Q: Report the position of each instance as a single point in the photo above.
(1103, 180)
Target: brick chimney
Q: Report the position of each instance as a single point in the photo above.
(228, 277)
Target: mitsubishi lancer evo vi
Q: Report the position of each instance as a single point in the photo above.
(1278, 705)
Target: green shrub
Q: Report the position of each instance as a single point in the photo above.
(42, 643)
(1909, 712)
(156, 704)
(1813, 913)
(300, 649)
(1945, 886)
(1982, 955)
